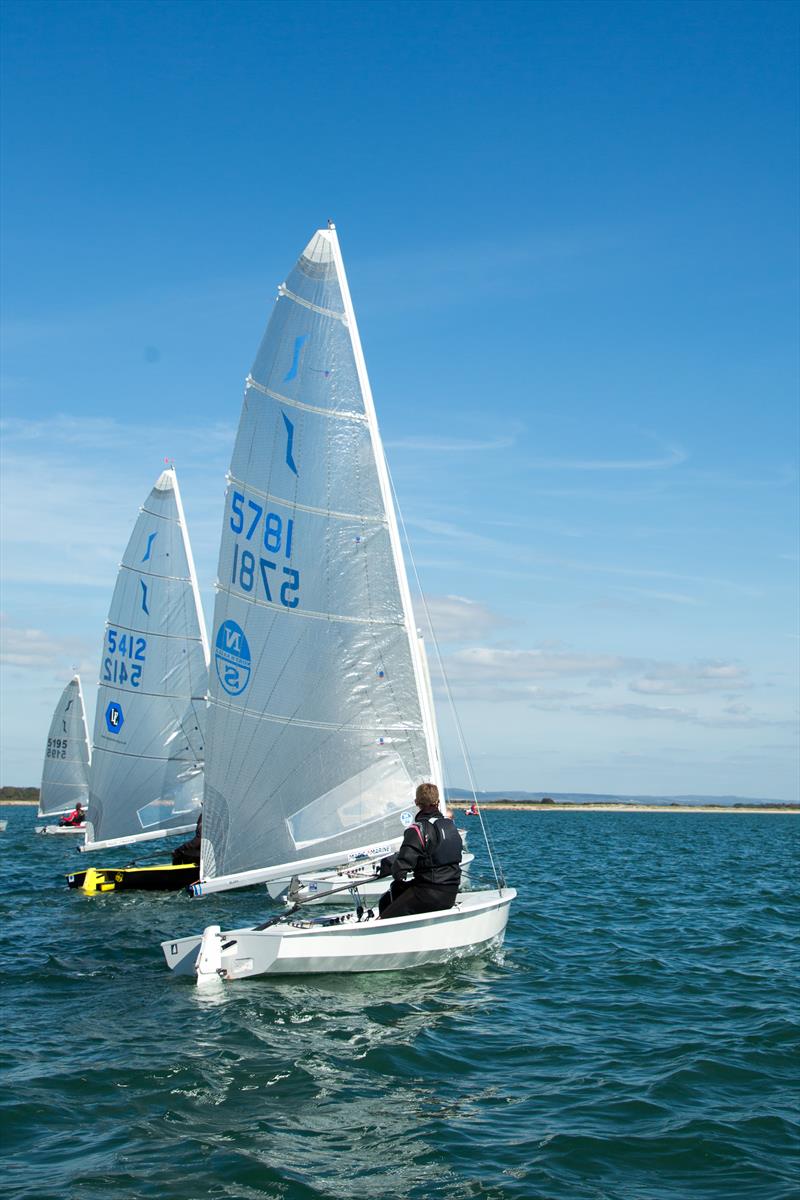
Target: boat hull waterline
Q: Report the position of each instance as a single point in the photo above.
(477, 920)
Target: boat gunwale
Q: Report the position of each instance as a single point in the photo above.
(393, 924)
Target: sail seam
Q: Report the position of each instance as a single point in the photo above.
(306, 612)
(149, 757)
(317, 308)
(308, 508)
(340, 414)
(153, 633)
(154, 575)
(152, 695)
(159, 516)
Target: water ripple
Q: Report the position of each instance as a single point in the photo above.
(636, 1039)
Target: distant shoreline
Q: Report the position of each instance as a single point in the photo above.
(534, 806)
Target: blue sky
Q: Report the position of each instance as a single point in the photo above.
(571, 236)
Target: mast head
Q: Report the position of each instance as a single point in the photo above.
(166, 480)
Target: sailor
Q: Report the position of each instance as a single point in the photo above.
(431, 850)
(76, 817)
(189, 852)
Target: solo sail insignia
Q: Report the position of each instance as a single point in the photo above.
(321, 720)
(146, 779)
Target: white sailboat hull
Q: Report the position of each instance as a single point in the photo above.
(477, 920)
(325, 887)
(60, 829)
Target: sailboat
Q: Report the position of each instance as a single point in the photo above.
(146, 779)
(321, 720)
(65, 771)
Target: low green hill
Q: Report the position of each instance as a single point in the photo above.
(18, 795)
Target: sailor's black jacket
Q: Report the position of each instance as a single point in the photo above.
(431, 849)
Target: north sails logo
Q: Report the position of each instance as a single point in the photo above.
(232, 658)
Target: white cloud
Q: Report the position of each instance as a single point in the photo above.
(498, 664)
(729, 718)
(676, 679)
(91, 475)
(33, 649)
(456, 618)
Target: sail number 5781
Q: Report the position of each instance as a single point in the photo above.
(275, 537)
(250, 571)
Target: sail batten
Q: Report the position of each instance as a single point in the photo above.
(336, 414)
(147, 775)
(325, 312)
(318, 727)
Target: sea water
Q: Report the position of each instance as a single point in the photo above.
(636, 1039)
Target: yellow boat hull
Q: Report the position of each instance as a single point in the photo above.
(161, 877)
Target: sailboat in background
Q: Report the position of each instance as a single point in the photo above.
(65, 772)
(146, 780)
(321, 719)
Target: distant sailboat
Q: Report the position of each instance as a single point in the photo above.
(146, 780)
(65, 772)
(321, 720)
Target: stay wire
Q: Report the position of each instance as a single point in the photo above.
(499, 876)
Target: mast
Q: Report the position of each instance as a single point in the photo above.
(415, 649)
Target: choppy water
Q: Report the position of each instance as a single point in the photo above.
(637, 1038)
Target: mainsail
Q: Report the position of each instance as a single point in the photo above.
(65, 773)
(320, 722)
(146, 779)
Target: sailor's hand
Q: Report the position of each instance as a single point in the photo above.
(385, 868)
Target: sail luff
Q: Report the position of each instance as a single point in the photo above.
(420, 673)
(86, 739)
(187, 546)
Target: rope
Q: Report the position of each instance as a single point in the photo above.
(498, 874)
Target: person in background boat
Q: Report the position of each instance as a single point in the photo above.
(431, 851)
(76, 817)
(189, 852)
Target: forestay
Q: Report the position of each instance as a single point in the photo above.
(146, 779)
(320, 721)
(65, 773)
